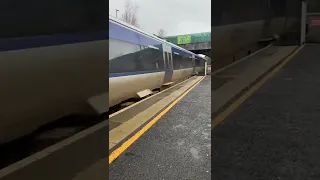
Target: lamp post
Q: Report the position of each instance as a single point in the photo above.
(117, 13)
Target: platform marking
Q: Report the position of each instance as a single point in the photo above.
(116, 153)
(223, 115)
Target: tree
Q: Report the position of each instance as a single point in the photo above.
(130, 13)
(162, 33)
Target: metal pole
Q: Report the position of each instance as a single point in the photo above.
(117, 13)
(205, 68)
(303, 22)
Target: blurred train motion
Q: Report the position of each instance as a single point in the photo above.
(140, 62)
(239, 26)
(53, 61)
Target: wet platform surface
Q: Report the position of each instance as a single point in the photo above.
(228, 83)
(275, 133)
(178, 146)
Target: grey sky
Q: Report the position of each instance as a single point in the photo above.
(174, 16)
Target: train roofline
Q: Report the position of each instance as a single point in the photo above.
(126, 25)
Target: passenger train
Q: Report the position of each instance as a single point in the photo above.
(140, 62)
(48, 76)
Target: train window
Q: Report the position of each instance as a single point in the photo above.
(182, 61)
(20, 18)
(158, 56)
(166, 59)
(197, 62)
(176, 61)
(122, 56)
(151, 58)
(190, 63)
(128, 57)
(202, 63)
(119, 48)
(187, 62)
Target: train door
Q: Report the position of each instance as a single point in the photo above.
(168, 64)
(193, 64)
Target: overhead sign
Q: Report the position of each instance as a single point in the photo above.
(189, 38)
(184, 39)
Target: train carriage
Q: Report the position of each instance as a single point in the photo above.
(52, 62)
(140, 62)
(49, 76)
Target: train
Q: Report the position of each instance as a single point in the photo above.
(45, 83)
(242, 27)
(48, 77)
(52, 66)
(140, 62)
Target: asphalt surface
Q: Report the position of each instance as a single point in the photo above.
(178, 146)
(275, 134)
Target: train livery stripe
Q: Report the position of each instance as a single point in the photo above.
(50, 40)
(113, 75)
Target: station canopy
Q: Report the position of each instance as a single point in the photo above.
(189, 38)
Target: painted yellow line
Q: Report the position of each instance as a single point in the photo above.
(222, 116)
(116, 153)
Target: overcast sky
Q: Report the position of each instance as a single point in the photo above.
(174, 16)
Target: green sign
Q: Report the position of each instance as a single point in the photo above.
(184, 39)
(190, 38)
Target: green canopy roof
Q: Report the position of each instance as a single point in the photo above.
(189, 38)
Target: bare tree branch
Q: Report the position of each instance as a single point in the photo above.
(162, 33)
(130, 13)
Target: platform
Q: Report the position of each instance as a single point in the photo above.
(275, 133)
(229, 82)
(177, 146)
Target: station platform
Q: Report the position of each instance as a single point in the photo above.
(177, 146)
(273, 132)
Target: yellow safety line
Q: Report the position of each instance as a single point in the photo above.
(222, 116)
(116, 153)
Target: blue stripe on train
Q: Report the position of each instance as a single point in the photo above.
(112, 75)
(49, 40)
